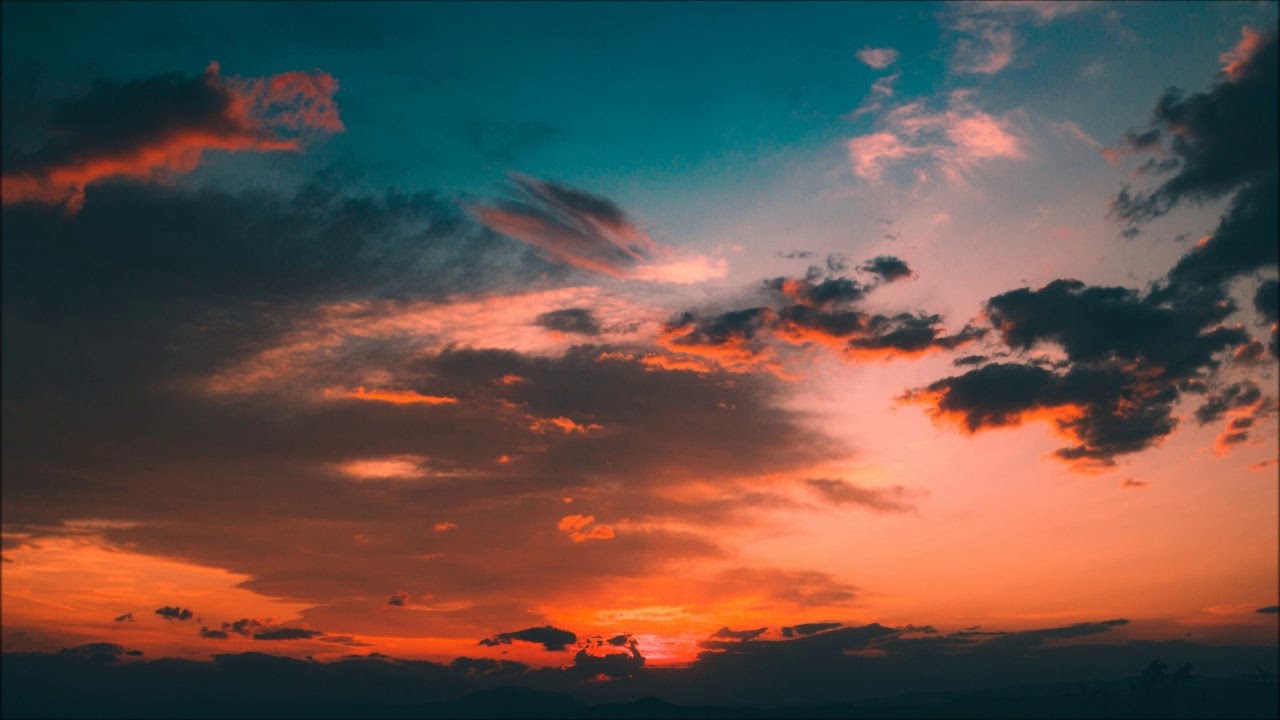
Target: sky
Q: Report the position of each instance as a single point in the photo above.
(613, 336)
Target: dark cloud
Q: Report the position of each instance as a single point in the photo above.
(1236, 395)
(343, 640)
(1097, 324)
(1225, 138)
(127, 617)
(887, 267)
(813, 309)
(835, 665)
(885, 499)
(795, 254)
(570, 320)
(727, 634)
(400, 599)
(213, 634)
(969, 360)
(159, 127)
(286, 633)
(552, 638)
(174, 613)
(619, 640)
(243, 626)
(1270, 610)
(1267, 300)
(99, 653)
(808, 628)
(1129, 358)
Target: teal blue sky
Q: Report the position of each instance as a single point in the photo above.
(684, 113)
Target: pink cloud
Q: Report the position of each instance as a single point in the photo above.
(878, 58)
(956, 140)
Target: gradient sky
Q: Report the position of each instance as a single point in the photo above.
(420, 329)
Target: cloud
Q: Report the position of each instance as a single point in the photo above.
(1224, 141)
(347, 640)
(804, 629)
(984, 48)
(392, 467)
(1237, 61)
(886, 499)
(878, 58)
(553, 639)
(152, 129)
(572, 227)
(1131, 483)
(1074, 131)
(174, 613)
(399, 599)
(887, 267)
(725, 633)
(804, 311)
(1270, 610)
(1236, 395)
(127, 617)
(575, 526)
(794, 675)
(245, 626)
(955, 141)
(1129, 358)
(570, 320)
(286, 633)
(213, 634)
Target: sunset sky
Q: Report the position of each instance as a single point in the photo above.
(524, 331)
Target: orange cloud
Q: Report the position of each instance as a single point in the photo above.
(395, 397)
(1234, 60)
(563, 424)
(395, 466)
(161, 128)
(575, 527)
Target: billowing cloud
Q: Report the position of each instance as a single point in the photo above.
(553, 639)
(878, 58)
(586, 231)
(1129, 359)
(161, 127)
